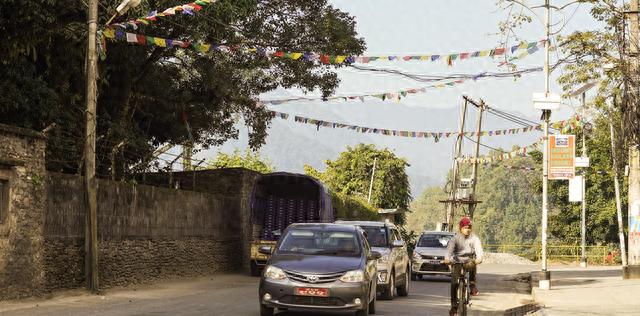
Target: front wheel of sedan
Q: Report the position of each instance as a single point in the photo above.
(362, 312)
(266, 310)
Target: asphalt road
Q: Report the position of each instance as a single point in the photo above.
(237, 295)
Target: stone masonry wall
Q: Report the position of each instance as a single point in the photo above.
(145, 233)
(21, 243)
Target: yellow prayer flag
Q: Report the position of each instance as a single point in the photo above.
(109, 33)
(205, 47)
(340, 59)
(160, 42)
(484, 53)
(425, 57)
(296, 56)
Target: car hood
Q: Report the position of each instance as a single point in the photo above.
(315, 263)
(429, 251)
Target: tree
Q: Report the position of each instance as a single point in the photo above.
(350, 174)
(150, 96)
(251, 161)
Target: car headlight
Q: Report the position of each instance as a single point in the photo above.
(416, 256)
(274, 273)
(353, 276)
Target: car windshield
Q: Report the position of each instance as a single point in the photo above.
(434, 241)
(325, 242)
(376, 236)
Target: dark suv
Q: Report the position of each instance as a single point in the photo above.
(320, 267)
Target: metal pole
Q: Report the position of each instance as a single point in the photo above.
(583, 224)
(373, 172)
(545, 276)
(91, 217)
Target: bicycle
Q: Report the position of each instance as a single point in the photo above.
(464, 290)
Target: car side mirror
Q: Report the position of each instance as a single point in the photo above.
(265, 250)
(374, 255)
(398, 244)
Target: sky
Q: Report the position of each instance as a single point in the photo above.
(424, 27)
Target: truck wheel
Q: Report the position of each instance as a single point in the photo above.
(266, 310)
(255, 270)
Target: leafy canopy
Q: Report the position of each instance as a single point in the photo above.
(250, 160)
(350, 174)
(150, 96)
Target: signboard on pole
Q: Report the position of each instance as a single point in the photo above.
(561, 153)
(575, 189)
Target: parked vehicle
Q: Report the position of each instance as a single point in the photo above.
(280, 199)
(316, 267)
(393, 266)
(429, 253)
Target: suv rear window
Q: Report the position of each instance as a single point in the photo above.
(434, 241)
(376, 236)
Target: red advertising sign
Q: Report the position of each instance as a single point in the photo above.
(562, 152)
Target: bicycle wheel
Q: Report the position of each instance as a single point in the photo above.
(462, 298)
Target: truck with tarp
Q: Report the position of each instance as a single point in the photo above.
(280, 199)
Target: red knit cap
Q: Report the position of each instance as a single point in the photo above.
(465, 221)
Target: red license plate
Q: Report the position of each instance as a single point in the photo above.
(312, 291)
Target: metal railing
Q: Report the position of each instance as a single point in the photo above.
(559, 253)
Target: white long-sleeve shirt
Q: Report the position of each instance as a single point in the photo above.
(463, 249)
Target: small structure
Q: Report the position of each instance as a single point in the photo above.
(389, 214)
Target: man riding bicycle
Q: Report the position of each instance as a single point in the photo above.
(464, 248)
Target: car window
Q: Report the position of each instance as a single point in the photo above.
(376, 236)
(434, 241)
(309, 241)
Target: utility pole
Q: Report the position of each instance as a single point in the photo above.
(373, 172)
(91, 198)
(451, 203)
(545, 276)
(583, 222)
(474, 172)
(632, 270)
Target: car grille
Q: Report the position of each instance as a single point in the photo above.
(434, 267)
(432, 257)
(314, 301)
(313, 278)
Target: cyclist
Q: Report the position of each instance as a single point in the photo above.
(465, 248)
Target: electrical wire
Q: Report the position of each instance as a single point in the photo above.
(485, 145)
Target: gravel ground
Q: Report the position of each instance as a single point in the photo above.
(505, 258)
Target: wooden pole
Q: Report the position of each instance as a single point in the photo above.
(91, 217)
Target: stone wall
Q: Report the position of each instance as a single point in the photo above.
(145, 233)
(22, 169)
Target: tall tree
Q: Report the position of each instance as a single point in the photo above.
(350, 174)
(154, 95)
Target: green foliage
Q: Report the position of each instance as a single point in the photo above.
(601, 219)
(149, 95)
(427, 211)
(251, 161)
(347, 207)
(350, 174)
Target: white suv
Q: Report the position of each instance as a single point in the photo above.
(429, 253)
(394, 265)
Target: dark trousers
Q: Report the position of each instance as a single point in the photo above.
(456, 271)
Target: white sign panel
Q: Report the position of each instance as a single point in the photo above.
(550, 101)
(581, 162)
(575, 189)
